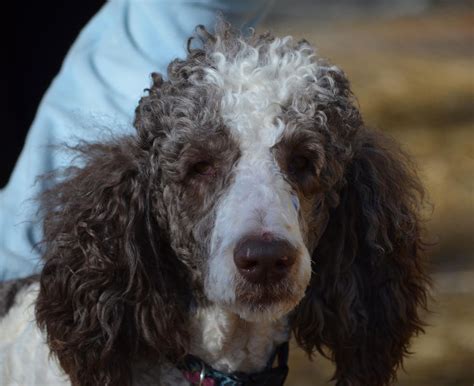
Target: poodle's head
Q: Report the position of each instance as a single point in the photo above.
(251, 184)
(248, 165)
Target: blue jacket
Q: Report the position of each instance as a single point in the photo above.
(94, 96)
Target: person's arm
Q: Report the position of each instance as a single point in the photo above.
(94, 94)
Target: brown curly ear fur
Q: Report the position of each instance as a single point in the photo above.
(369, 279)
(108, 293)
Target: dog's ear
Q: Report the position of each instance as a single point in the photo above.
(369, 279)
(108, 288)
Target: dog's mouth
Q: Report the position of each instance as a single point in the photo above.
(262, 295)
(267, 302)
(261, 276)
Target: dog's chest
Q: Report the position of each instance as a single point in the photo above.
(228, 343)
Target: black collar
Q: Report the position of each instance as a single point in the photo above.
(197, 372)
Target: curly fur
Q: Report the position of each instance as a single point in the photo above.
(131, 236)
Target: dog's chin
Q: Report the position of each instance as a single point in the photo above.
(259, 304)
(264, 313)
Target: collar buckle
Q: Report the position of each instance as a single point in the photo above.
(202, 375)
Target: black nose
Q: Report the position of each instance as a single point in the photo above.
(261, 260)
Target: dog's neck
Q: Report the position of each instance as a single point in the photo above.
(229, 343)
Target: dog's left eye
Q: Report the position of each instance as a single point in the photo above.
(204, 168)
(299, 164)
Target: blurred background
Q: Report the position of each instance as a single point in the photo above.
(411, 67)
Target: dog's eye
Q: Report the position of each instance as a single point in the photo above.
(204, 168)
(301, 170)
(299, 164)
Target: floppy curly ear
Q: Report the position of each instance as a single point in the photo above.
(369, 279)
(107, 294)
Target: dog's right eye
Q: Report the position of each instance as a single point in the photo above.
(204, 168)
(302, 170)
(299, 165)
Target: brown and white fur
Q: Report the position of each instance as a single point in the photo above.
(248, 138)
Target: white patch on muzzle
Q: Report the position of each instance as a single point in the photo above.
(258, 201)
(254, 87)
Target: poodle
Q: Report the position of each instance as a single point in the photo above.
(251, 204)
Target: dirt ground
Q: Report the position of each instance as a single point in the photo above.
(413, 77)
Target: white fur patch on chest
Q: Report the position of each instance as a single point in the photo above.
(24, 355)
(228, 343)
